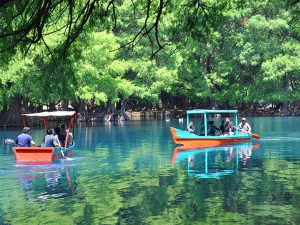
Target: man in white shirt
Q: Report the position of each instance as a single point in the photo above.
(244, 127)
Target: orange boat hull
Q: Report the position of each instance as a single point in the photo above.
(33, 154)
(211, 142)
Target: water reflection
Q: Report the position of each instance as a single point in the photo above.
(45, 182)
(213, 162)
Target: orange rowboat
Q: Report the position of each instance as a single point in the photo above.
(42, 155)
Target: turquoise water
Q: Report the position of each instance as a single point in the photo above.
(131, 173)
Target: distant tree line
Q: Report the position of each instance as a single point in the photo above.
(104, 57)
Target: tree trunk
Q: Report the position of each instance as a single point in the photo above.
(110, 111)
(82, 110)
(12, 115)
(285, 106)
(122, 113)
(52, 106)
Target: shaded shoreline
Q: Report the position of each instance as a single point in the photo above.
(145, 115)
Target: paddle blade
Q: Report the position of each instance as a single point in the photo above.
(9, 141)
(256, 136)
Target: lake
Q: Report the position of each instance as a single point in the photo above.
(132, 173)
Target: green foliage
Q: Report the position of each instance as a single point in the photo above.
(222, 52)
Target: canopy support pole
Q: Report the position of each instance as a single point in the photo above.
(236, 124)
(187, 120)
(73, 128)
(205, 124)
(46, 122)
(24, 120)
(68, 131)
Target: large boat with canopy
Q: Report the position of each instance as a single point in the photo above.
(39, 154)
(202, 138)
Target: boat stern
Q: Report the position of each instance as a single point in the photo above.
(33, 154)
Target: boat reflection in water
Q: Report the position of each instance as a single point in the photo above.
(213, 162)
(45, 182)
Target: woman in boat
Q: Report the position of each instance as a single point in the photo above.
(59, 137)
(191, 127)
(212, 128)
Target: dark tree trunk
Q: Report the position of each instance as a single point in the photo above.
(81, 109)
(110, 111)
(122, 113)
(285, 106)
(11, 116)
(52, 107)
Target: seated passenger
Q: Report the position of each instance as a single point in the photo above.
(212, 128)
(222, 127)
(63, 132)
(244, 127)
(60, 137)
(191, 127)
(228, 127)
(50, 139)
(24, 139)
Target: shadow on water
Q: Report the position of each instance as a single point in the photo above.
(214, 162)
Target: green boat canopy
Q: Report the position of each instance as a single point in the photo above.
(207, 117)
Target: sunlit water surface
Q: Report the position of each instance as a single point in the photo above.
(131, 173)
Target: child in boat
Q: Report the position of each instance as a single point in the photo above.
(212, 128)
(191, 127)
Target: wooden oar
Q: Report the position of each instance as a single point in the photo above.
(59, 146)
(253, 135)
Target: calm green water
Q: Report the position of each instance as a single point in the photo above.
(130, 174)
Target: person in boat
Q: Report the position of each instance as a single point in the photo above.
(212, 128)
(191, 127)
(63, 133)
(244, 127)
(59, 137)
(222, 127)
(228, 127)
(24, 139)
(50, 139)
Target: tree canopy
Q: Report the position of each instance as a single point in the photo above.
(178, 53)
